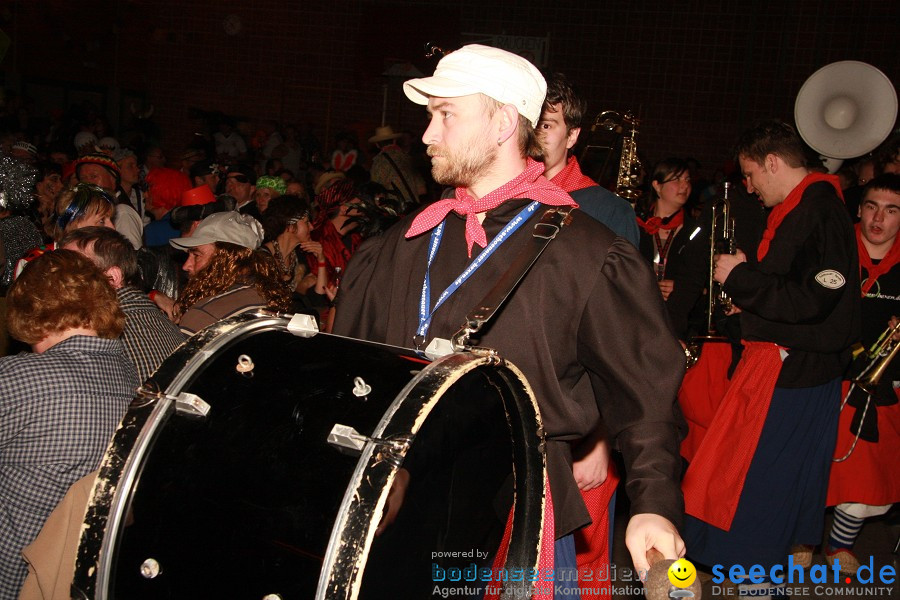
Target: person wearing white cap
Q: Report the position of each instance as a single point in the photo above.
(584, 325)
(227, 276)
(85, 142)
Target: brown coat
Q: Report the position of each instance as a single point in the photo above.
(586, 326)
(51, 556)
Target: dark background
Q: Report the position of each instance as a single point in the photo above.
(696, 72)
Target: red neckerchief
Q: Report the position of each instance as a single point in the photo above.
(654, 224)
(528, 184)
(571, 178)
(546, 554)
(873, 271)
(781, 211)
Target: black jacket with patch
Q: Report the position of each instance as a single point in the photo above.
(804, 294)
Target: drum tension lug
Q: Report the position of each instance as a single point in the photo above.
(185, 402)
(303, 326)
(191, 404)
(390, 450)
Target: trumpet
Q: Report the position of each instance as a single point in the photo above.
(880, 355)
(721, 241)
(882, 352)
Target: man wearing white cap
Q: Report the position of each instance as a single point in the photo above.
(227, 275)
(585, 325)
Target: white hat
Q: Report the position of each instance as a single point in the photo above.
(232, 227)
(83, 138)
(109, 144)
(383, 134)
(473, 69)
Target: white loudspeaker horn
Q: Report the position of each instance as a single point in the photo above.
(846, 109)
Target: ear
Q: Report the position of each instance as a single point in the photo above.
(772, 162)
(507, 121)
(115, 277)
(656, 186)
(572, 138)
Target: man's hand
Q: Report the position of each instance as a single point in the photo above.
(646, 531)
(165, 304)
(591, 464)
(665, 287)
(394, 500)
(725, 263)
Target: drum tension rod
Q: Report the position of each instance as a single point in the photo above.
(391, 450)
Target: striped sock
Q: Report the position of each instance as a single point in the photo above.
(844, 531)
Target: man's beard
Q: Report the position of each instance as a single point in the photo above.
(464, 168)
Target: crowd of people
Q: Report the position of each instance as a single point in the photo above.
(113, 256)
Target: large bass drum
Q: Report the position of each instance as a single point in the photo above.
(229, 479)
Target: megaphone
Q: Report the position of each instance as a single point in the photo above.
(845, 109)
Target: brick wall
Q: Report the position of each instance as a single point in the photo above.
(695, 72)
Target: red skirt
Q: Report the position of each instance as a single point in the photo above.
(701, 393)
(871, 474)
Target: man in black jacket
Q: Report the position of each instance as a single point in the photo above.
(759, 478)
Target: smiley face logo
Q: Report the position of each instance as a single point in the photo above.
(682, 573)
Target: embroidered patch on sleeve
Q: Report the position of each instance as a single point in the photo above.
(831, 279)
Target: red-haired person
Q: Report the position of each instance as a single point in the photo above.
(164, 189)
(61, 403)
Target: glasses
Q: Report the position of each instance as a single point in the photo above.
(239, 178)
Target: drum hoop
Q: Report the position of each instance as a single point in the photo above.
(354, 516)
(125, 454)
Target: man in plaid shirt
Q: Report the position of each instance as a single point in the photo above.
(59, 405)
(149, 336)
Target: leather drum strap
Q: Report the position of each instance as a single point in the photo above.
(552, 221)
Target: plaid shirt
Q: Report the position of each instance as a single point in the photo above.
(58, 411)
(149, 336)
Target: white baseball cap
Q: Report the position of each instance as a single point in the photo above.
(232, 227)
(496, 73)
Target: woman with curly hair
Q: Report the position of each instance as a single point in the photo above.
(227, 276)
(47, 187)
(288, 229)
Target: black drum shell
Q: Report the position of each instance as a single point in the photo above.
(251, 500)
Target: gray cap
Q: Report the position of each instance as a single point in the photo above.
(231, 227)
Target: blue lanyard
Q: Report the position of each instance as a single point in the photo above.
(425, 310)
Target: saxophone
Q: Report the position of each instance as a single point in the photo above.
(628, 182)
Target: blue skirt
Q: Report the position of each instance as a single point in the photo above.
(783, 499)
